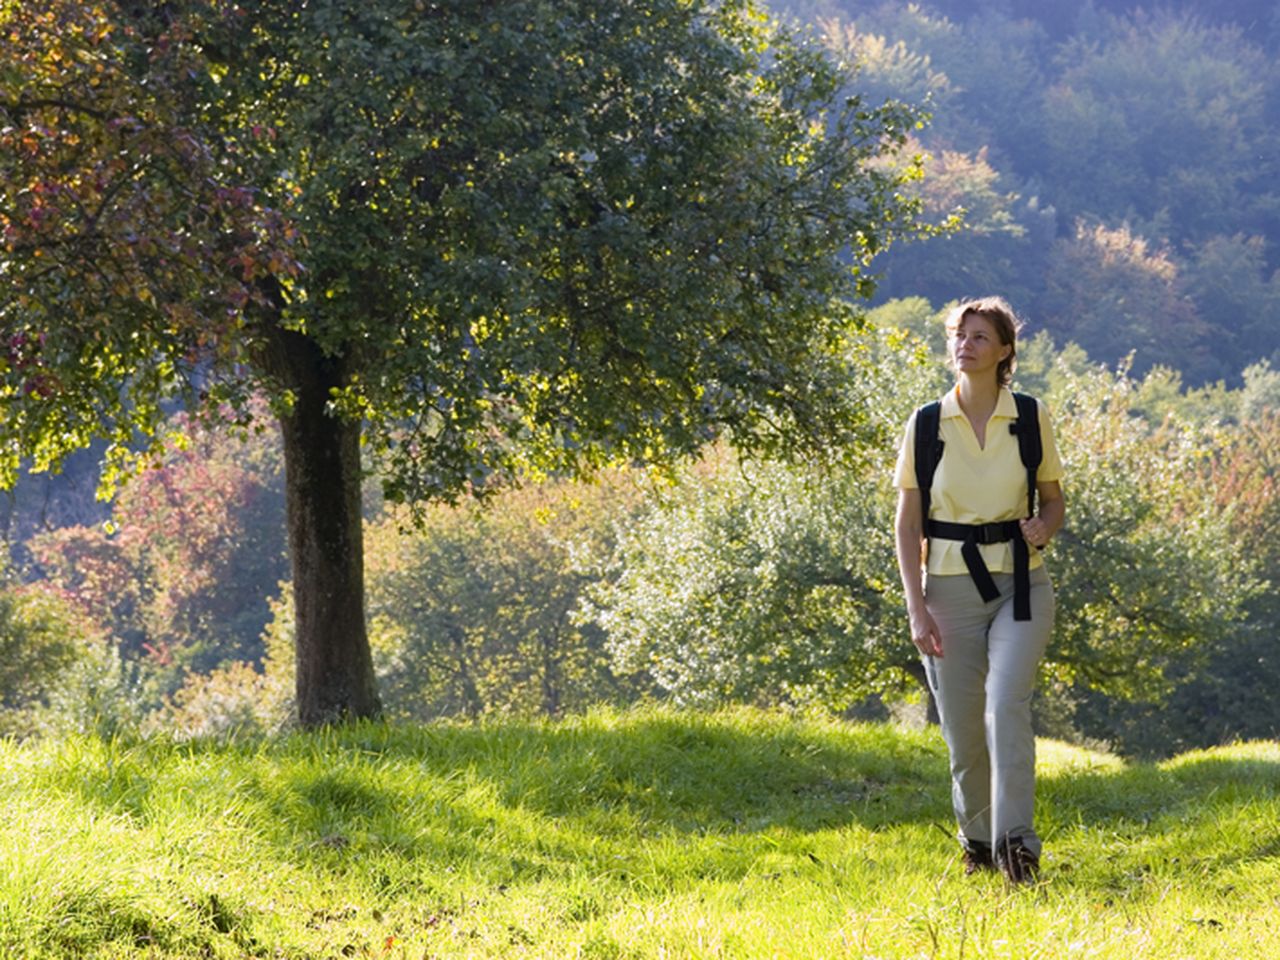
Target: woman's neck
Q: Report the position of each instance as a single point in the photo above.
(977, 395)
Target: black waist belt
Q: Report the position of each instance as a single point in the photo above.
(972, 534)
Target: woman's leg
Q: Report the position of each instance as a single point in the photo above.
(958, 679)
(1015, 651)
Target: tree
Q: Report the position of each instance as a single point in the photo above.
(760, 583)
(974, 105)
(1114, 293)
(473, 612)
(1149, 576)
(773, 582)
(467, 240)
(182, 573)
(1166, 123)
(1237, 294)
(1225, 692)
(999, 238)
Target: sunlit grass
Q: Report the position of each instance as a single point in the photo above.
(642, 834)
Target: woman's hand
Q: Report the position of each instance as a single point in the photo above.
(909, 538)
(1035, 531)
(1039, 529)
(925, 634)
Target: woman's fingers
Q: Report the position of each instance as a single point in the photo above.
(926, 637)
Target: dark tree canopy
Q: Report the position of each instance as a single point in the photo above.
(470, 239)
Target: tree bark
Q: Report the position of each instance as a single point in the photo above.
(335, 678)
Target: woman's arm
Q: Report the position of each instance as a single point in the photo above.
(909, 536)
(1040, 529)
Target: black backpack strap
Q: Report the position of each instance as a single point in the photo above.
(1027, 429)
(928, 451)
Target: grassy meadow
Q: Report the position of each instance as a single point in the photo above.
(648, 833)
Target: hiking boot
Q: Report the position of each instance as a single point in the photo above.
(977, 857)
(1018, 864)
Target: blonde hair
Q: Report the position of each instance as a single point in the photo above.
(1002, 317)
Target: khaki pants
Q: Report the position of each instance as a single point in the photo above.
(983, 683)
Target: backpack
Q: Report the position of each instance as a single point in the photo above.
(928, 451)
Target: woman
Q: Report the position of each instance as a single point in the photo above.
(981, 655)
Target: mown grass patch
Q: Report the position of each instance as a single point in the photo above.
(649, 833)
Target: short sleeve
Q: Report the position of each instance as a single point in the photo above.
(904, 474)
(1050, 461)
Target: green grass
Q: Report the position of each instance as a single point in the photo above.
(619, 835)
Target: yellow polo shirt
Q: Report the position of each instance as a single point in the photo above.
(976, 484)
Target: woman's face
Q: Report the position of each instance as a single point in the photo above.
(975, 346)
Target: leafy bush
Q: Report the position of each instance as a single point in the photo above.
(239, 697)
(775, 582)
(57, 672)
(471, 612)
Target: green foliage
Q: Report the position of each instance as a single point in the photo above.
(238, 697)
(917, 317)
(759, 583)
(626, 234)
(888, 70)
(642, 834)
(1260, 394)
(1164, 122)
(1148, 574)
(50, 658)
(1232, 281)
(113, 207)
(38, 644)
(997, 238)
(1158, 125)
(1232, 695)
(1161, 394)
(1045, 369)
(1155, 128)
(490, 242)
(471, 613)
(772, 583)
(768, 582)
(974, 106)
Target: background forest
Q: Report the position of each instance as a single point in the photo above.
(1109, 168)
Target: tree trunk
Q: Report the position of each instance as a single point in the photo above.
(335, 678)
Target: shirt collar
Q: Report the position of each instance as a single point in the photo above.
(1005, 405)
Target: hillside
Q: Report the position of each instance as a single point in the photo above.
(641, 834)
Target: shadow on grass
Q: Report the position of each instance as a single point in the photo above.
(524, 800)
(520, 799)
(693, 773)
(517, 802)
(557, 791)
